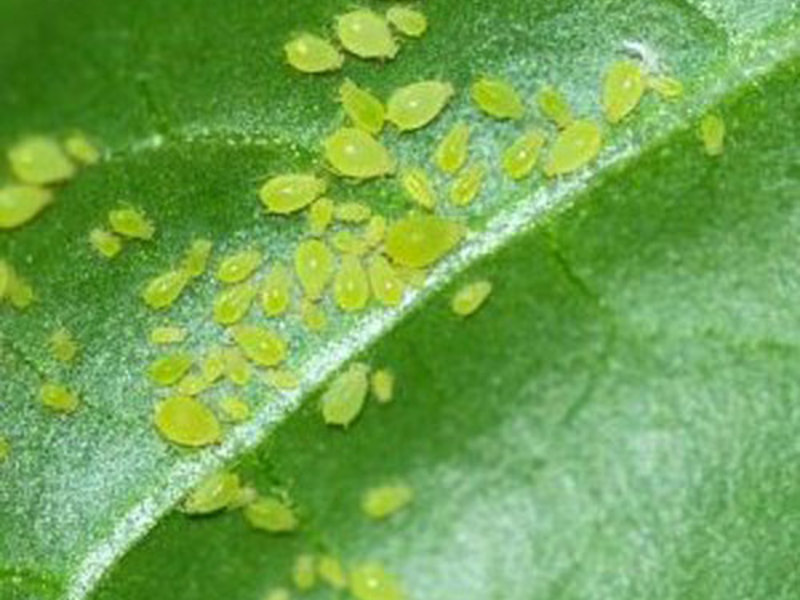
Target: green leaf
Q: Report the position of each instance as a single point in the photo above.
(619, 421)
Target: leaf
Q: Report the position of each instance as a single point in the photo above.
(617, 422)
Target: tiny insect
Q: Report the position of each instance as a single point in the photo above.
(278, 594)
(312, 54)
(235, 409)
(574, 148)
(196, 258)
(261, 345)
(370, 581)
(354, 153)
(452, 151)
(414, 106)
(348, 242)
(282, 379)
(58, 398)
(353, 212)
(470, 297)
(366, 34)
(382, 383)
(213, 365)
(238, 266)
(375, 231)
(81, 149)
(521, 156)
(131, 223)
(169, 369)
(192, 384)
(5, 448)
(712, 132)
(105, 243)
(214, 493)
(320, 216)
(272, 515)
(276, 293)
(409, 22)
(63, 345)
(350, 286)
(468, 184)
(39, 160)
(418, 186)
(665, 86)
(364, 109)
(313, 262)
(237, 369)
(623, 88)
(343, 400)
(421, 240)
(313, 316)
(383, 501)
(386, 284)
(187, 422)
(18, 291)
(167, 334)
(331, 571)
(232, 303)
(304, 573)
(554, 106)
(285, 194)
(19, 204)
(497, 98)
(163, 290)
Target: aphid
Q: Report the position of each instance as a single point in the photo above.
(282, 379)
(451, 153)
(313, 316)
(354, 153)
(667, 87)
(270, 514)
(233, 303)
(5, 448)
(161, 291)
(343, 400)
(312, 54)
(382, 383)
(574, 148)
(63, 345)
(554, 106)
(313, 262)
(353, 212)
(320, 216)
(350, 287)
(420, 240)
(304, 574)
(331, 571)
(285, 194)
(407, 21)
(80, 148)
(415, 105)
(386, 284)
(366, 34)
(105, 243)
(237, 369)
(187, 422)
(196, 258)
(348, 242)
(417, 184)
(18, 291)
(213, 365)
(497, 98)
(381, 502)
(365, 110)
(192, 384)
(169, 369)
(21, 203)
(623, 88)
(276, 292)
(467, 185)
(370, 581)
(235, 409)
(239, 266)
(130, 222)
(278, 594)
(470, 297)
(39, 160)
(167, 334)
(58, 398)
(215, 492)
(261, 345)
(375, 231)
(712, 132)
(521, 156)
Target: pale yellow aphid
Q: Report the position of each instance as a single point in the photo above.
(63, 345)
(278, 594)
(213, 365)
(235, 409)
(354, 153)
(407, 21)
(574, 148)
(312, 54)
(343, 400)
(470, 297)
(19, 204)
(313, 316)
(386, 284)
(304, 573)
(468, 184)
(351, 287)
(366, 34)
(192, 384)
(18, 291)
(272, 515)
(331, 571)
(370, 581)
(348, 242)
(186, 421)
(161, 291)
(196, 258)
(238, 266)
(415, 105)
(169, 369)
(313, 263)
(105, 243)
(665, 86)
(237, 368)
(623, 88)
(375, 231)
(353, 212)
(215, 492)
(554, 106)
(497, 98)
(80, 148)
(382, 384)
(521, 156)
(712, 132)
(131, 223)
(320, 216)
(40, 160)
(282, 379)
(417, 184)
(285, 194)
(276, 292)
(167, 334)
(383, 501)
(233, 303)
(261, 345)
(420, 240)
(5, 448)
(364, 110)
(452, 151)
(58, 398)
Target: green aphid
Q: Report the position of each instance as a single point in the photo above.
(5, 448)
(313, 316)
(131, 223)
(39, 160)
(285, 194)
(58, 398)
(186, 421)
(348, 242)
(20, 204)
(712, 132)
(383, 501)
(354, 153)
(276, 292)
(312, 54)
(214, 493)
(366, 34)
(466, 187)
(351, 287)
(343, 400)
(470, 297)
(331, 571)
(232, 303)
(375, 231)
(452, 151)
(314, 265)
(364, 110)
(272, 515)
(409, 22)
(414, 106)
(665, 86)
(421, 240)
(575, 147)
(387, 286)
(80, 148)
(370, 581)
(278, 594)
(18, 291)
(163, 290)
(353, 212)
(239, 266)
(419, 187)
(555, 106)
(261, 345)
(235, 409)
(521, 156)
(320, 216)
(623, 88)
(304, 573)
(169, 369)
(195, 261)
(213, 365)
(167, 334)
(191, 384)
(63, 345)
(382, 384)
(282, 379)
(497, 98)
(237, 367)
(105, 243)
